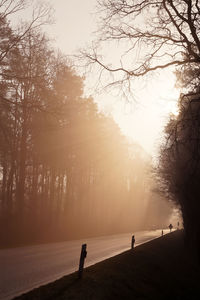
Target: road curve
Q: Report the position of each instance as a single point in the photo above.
(25, 268)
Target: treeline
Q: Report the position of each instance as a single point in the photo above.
(179, 167)
(66, 171)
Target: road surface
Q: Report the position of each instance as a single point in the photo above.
(25, 268)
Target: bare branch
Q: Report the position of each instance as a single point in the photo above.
(158, 34)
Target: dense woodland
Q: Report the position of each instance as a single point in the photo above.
(66, 171)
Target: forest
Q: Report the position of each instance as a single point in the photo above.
(66, 170)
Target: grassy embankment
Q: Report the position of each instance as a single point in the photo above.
(160, 269)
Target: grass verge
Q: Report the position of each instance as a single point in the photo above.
(160, 269)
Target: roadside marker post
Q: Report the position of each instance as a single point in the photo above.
(132, 242)
(82, 259)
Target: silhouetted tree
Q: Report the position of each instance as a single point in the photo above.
(179, 164)
(155, 35)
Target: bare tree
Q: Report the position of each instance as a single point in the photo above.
(10, 37)
(9, 7)
(157, 35)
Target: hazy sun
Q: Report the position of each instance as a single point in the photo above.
(144, 122)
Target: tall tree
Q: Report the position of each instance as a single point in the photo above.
(179, 167)
(155, 35)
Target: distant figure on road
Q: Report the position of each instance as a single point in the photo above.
(162, 232)
(170, 227)
(178, 225)
(132, 242)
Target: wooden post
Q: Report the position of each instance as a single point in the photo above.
(82, 259)
(132, 242)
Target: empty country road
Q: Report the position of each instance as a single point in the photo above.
(25, 268)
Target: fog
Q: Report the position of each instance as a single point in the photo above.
(66, 170)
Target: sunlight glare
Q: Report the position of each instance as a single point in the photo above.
(144, 122)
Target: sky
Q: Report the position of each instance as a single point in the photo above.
(143, 117)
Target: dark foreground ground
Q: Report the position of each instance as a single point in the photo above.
(161, 269)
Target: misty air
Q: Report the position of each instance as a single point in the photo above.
(99, 149)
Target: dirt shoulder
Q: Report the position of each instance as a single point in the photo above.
(160, 269)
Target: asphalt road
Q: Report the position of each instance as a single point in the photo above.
(24, 268)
